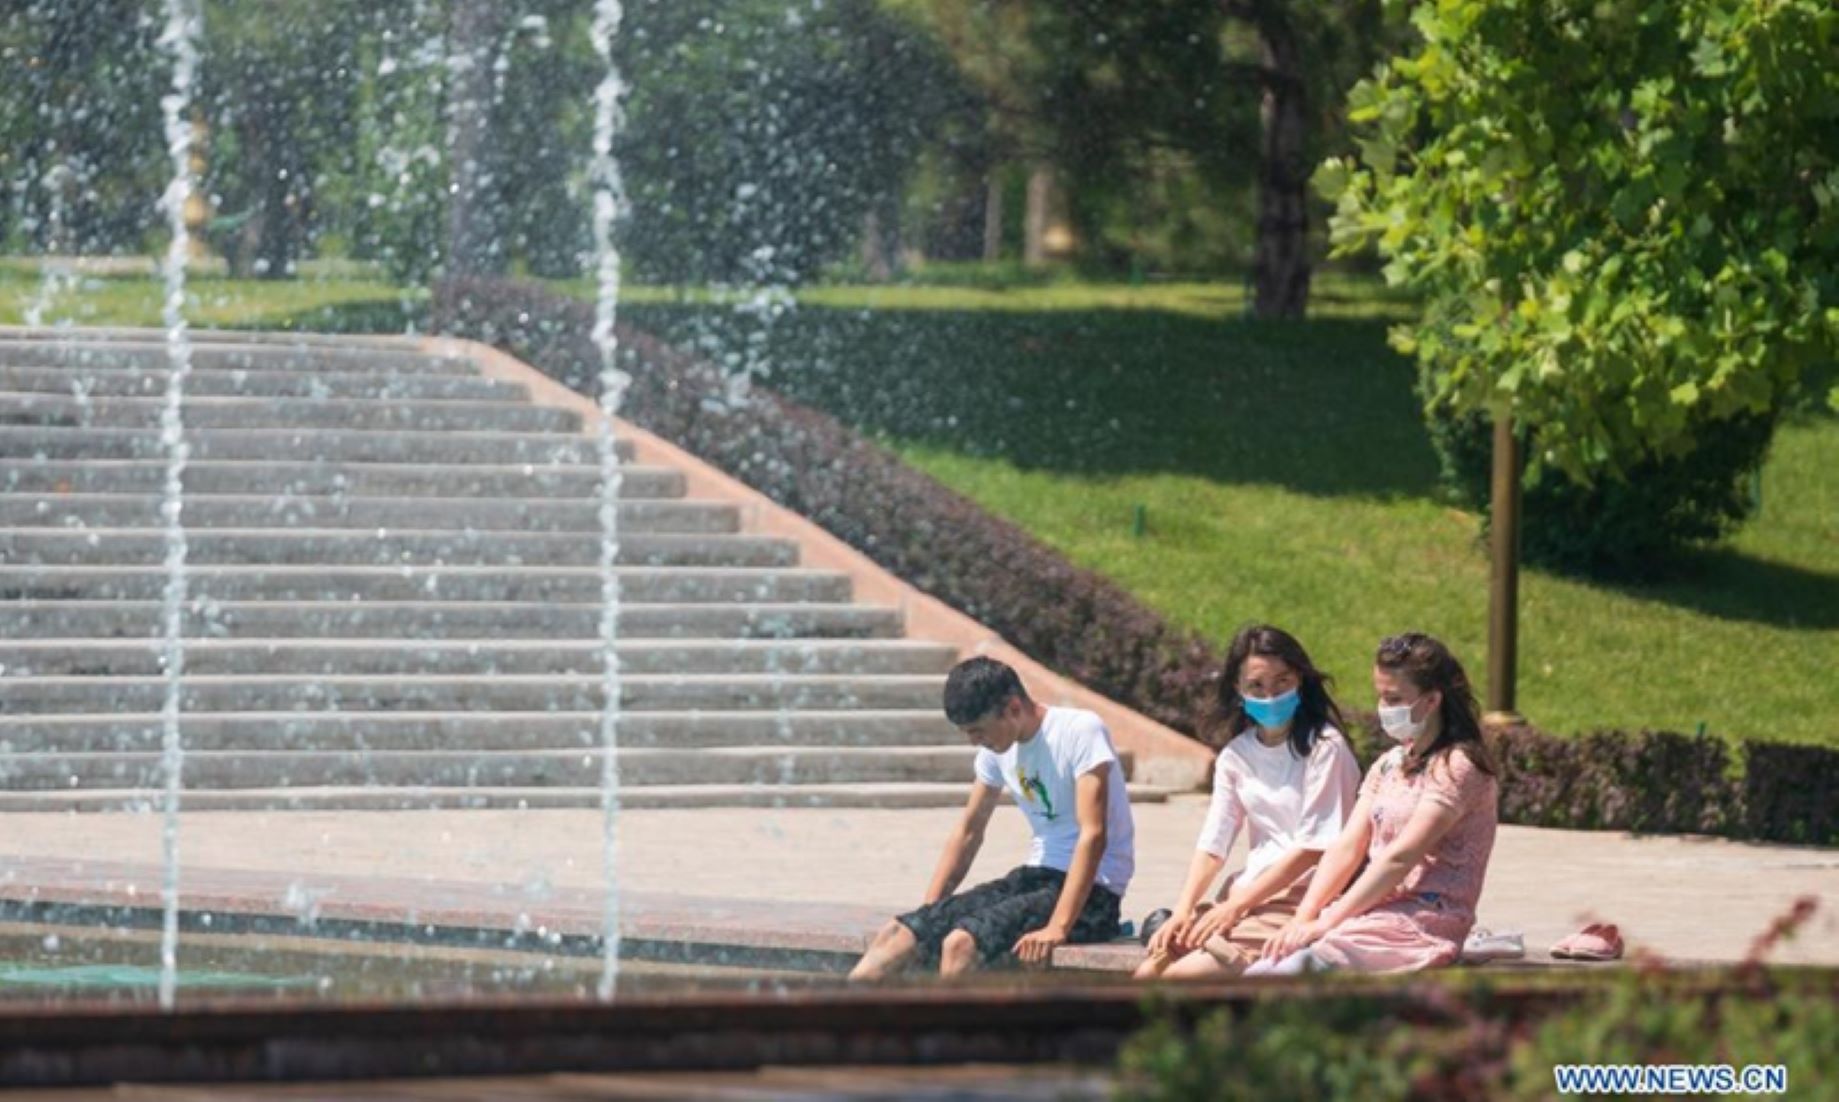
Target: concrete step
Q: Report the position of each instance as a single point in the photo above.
(447, 415)
(307, 445)
(145, 334)
(579, 768)
(411, 583)
(393, 601)
(476, 657)
(438, 693)
(650, 797)
(249, 476)
(89, 733)
(433, 514)
(385, 546)
(134, 382)
(446, 619)
(152, 355)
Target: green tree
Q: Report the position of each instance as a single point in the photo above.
(1154, 125)
(542, 125)
(387, 200)
(82, 155)
(1180, 133)
(279, 90)
(761, 136)
(390, 186)
(1623, 220)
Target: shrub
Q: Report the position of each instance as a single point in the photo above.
(1618, 526)
(1651, 781)
(1790, 793)
(1491, 1038)
(1279, 1048)
(1646, 781)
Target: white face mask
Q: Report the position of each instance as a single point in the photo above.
(1398, 723)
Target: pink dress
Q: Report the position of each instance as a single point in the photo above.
(1423, 922)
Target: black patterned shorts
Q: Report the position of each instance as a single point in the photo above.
(998, 913)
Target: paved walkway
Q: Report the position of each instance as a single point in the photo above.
(1688, 898)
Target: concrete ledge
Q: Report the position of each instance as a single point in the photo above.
(1123, 957)
(834, 795)
(1164, 757)
(722, 932)
(817, 938)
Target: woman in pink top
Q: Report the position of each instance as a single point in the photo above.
(1286, 774)
(1424, 825)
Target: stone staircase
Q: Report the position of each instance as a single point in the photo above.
(394, 601)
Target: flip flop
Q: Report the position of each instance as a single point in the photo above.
(1596, 942)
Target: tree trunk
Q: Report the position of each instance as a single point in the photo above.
(993, 217)
(1280, 260)
(1045, 233)
(284, 201)
(277, 220)
(267, 241)
(473, 35)
(878, 252)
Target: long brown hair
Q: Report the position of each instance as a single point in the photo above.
(1314, 706)
(1430, 667)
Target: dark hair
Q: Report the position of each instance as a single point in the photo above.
(977, 687)
(1429, 665)
(1314, 708)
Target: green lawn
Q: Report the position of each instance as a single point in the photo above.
(1282, 469)
(344, 302)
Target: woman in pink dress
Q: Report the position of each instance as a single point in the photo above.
(1424, 825)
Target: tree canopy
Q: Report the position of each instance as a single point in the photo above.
(1623, 219)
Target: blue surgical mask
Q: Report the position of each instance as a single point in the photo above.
(1271, 712)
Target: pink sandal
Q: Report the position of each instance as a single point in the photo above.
(1596, 942)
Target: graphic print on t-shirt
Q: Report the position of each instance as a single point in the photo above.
(1043, 774)
(1035, 791)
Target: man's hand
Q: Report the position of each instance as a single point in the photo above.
(1298, 934)
(1038, 947)
(1219, 919)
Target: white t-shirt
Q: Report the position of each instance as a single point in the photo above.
(1042, 774)
(1289, 802)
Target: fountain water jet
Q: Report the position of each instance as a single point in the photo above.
(184, 22)
(54, 278)
(609, 201)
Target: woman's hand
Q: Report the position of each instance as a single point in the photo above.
(1219, 920)
(1172, 934)
(1299, 933)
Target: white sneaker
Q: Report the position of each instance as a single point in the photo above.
(1483, 946)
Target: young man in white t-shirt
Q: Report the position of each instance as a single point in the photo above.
(1060, 766)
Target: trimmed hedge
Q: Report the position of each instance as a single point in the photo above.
(1088, 627)
(1789, 793)
(1656, 782)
